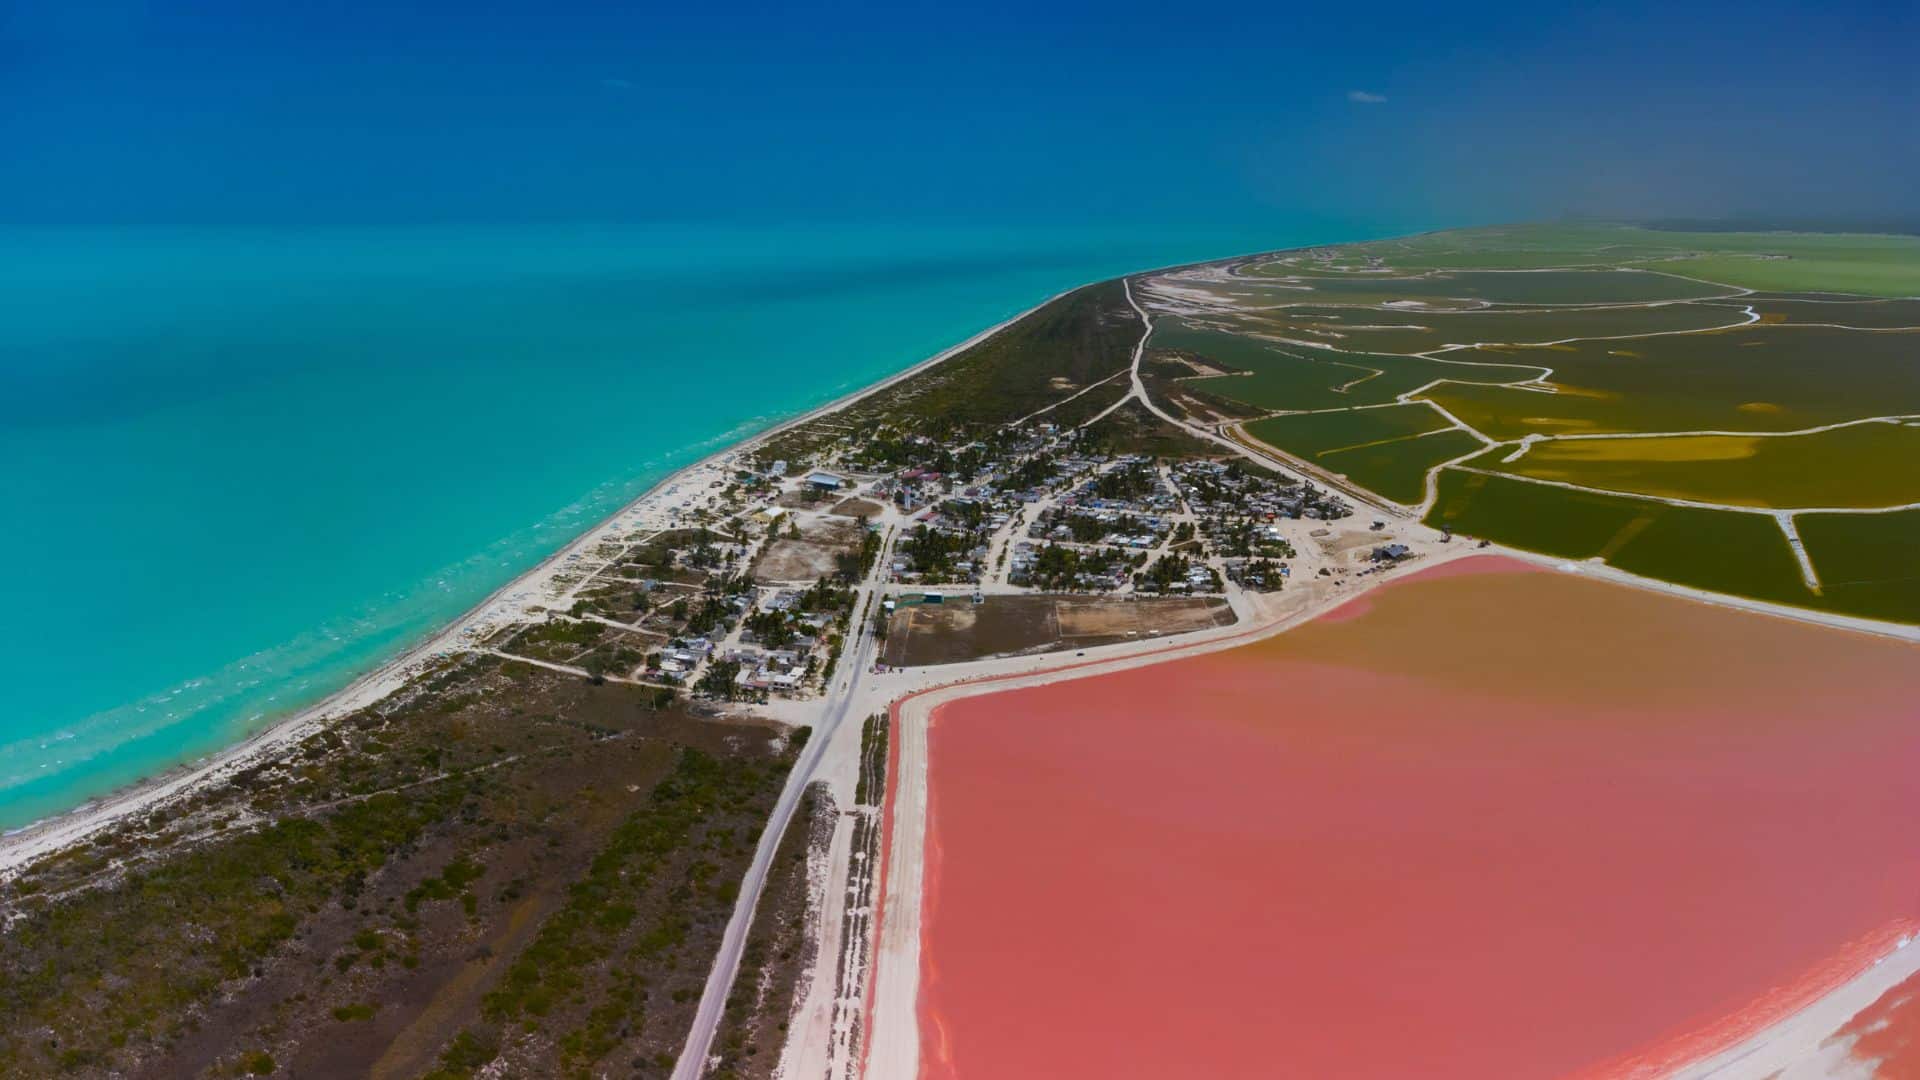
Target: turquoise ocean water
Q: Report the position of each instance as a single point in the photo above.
(239, 467)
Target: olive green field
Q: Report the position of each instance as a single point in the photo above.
(1678, 404)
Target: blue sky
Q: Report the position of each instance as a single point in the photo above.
(214, 110)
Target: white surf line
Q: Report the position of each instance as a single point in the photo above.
(22, 846)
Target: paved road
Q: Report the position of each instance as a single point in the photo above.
(855, 662)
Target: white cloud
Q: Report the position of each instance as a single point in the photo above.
(1362, 97)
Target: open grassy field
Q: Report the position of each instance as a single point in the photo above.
(1868, 563)
(1717, 352)
(1866, 267)
(1760, 378)
(1372, 329)
(1501, 286)
(1723, 550)
(1275, 376)
(1863, 314)
(1311, 434)
(1398, 470)
(1515, 247)
(1386, 450)
(1865, 465)
(1792, 261)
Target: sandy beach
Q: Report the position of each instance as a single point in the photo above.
(887, 1029)
(657, 507)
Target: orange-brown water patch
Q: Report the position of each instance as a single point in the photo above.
(1492, 821)
(1668, 448)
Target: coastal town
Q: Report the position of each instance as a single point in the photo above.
(662, 805)
(794, 585)
(746, 592)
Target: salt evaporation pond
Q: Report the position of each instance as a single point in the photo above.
(1490, 820)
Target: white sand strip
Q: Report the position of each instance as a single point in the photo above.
(1802, 1046)
(507, 603)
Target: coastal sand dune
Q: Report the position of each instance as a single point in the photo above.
(1492, 821)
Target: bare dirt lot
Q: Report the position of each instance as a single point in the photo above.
(1107, 619)
(1004, 625)
(811, 556)
(857, 508)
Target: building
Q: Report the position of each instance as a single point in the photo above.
(826, 481)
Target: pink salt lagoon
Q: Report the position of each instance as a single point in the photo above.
(1487, 821)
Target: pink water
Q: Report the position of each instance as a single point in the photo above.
(1494, 822)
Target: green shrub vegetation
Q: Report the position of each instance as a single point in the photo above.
(590, 946)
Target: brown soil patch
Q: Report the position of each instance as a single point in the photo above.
(857, 508)
(809, 558)
(1094, 618)
(1009, 625)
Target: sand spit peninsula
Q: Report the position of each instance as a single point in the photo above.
(668, 803)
